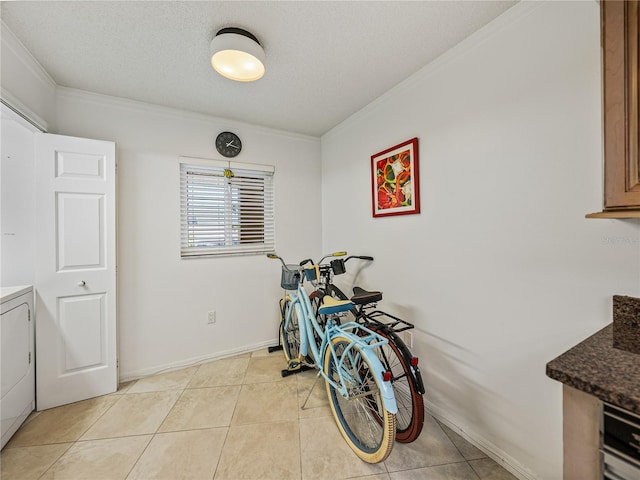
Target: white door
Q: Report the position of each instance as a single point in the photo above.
(75, 276)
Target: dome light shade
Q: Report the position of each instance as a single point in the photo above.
(236, 54)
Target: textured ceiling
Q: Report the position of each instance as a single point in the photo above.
(325, 60)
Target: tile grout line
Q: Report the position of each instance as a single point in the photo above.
(235, 406)
(474, 470)
(159, 426)
(299, 429)
(97, 419)
(71, 442)
(139, 456)
(465, 460)
(57, 458)
(437, 465)
(153, 436)
(215, 470)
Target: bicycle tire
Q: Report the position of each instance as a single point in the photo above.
(289, 336)
(410, 416)
(316, 301)
(367, 427)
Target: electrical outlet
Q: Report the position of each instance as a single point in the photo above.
(408, 339)
(211, 317)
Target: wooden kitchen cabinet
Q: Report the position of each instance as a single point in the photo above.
(621, 50)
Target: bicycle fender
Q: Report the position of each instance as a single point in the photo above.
(303, 330)
(386, 390)
(416, 376)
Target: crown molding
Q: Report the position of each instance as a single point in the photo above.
(13, 43)
(21, 112)
(154, 109)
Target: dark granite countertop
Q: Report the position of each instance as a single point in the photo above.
(595, 367)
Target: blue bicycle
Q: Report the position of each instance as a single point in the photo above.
(359, 389)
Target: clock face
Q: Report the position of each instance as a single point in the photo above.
(228, 144)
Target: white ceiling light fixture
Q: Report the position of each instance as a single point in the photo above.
(237, 54)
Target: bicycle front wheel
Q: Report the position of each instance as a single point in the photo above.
(364, 422)
(289, 331)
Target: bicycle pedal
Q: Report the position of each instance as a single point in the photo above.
(293, 365)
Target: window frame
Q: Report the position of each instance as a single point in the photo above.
(224, 204)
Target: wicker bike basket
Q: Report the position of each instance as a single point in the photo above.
(290, 277)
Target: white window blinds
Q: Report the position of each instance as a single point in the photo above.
(226, 208)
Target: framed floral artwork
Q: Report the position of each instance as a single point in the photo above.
(394, 180)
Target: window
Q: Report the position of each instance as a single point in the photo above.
(226, 208)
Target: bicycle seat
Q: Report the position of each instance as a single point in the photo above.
(330, 305)
(362, 296)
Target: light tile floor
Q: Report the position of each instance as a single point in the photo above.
(230, 419)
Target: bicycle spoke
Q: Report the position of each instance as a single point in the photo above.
(361, 413)
(410, 415)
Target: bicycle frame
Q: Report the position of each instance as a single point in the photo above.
(368, 313)
(307, 324)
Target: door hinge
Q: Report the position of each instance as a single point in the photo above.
(29, 358)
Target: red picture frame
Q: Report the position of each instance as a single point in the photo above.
(395, 181)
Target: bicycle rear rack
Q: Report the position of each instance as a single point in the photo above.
(379, 317)
(360, 333)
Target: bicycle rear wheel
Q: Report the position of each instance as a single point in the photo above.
(289, 334)
(410, 416)
(364, 422)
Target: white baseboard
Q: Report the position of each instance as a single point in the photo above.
(145, 372)
(488, 448)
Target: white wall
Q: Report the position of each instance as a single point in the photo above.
(26, 86)
(500, 272)
(164, 300)
(17, 201)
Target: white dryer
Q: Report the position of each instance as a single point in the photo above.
(17, 362)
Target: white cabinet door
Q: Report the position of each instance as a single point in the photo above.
(75, 276)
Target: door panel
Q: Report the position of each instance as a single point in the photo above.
(70, 165)
(75, 269)
(80, 235)
(82, 332)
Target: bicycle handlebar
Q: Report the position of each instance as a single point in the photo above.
(334, 254)
(275, 256)
(361, 257)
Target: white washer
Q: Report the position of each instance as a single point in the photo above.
(17, 362)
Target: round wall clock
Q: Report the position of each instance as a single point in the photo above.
(228, 144)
